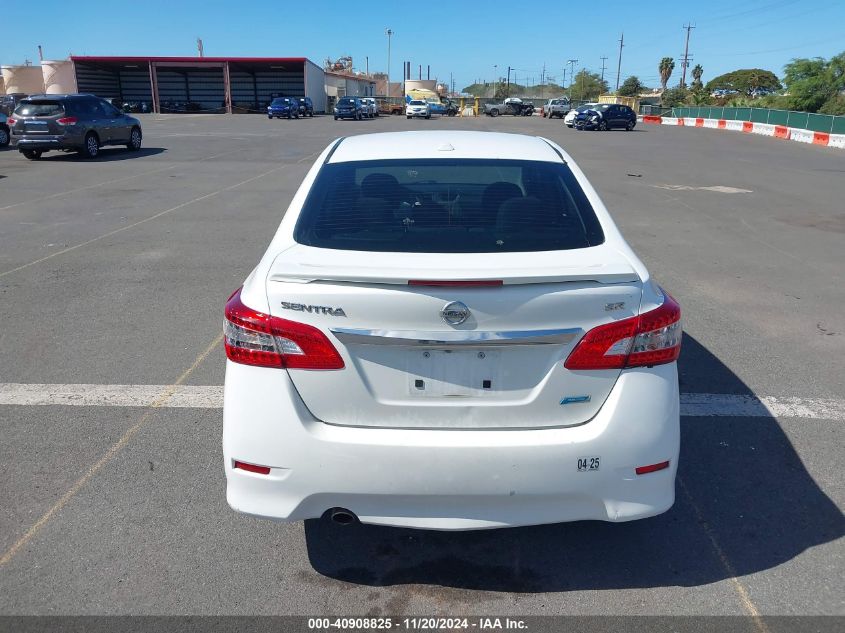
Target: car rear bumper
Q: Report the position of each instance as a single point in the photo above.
(450, 480)
(41, 143)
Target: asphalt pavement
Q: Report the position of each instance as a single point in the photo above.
(116, 270)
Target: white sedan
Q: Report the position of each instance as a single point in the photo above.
(448, 331)
(418, 108)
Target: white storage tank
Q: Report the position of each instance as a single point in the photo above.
(25, 79)
(59, 77)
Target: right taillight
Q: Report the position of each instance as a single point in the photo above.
(11, 122)
(651, 338)
(256, 338)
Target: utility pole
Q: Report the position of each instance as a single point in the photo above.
(572, 63)
(619, 65)
(603, 67)
(199, 47)
(543, 82)
(508, 88)
(495, 78)
(389, 34)
(685, 62)
(563, 85)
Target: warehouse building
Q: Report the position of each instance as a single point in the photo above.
(192, 84)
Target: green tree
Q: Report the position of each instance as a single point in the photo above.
(697, 71)
(674, 97)
(699, 98)
(834, 105)
(665, 67)
(502, 90)
(745, 80)
(587, 85)
(814, 83)
(631, 87)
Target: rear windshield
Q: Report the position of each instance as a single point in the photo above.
(39, 108)
(447, 206)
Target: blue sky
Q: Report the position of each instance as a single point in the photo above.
(465, 38)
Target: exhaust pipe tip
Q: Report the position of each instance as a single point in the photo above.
(342, 516)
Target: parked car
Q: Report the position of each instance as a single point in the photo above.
(287, 107)
(372, 106)
(569, 119)
(349, 108)
(9, 102)
(556, 108)
(386, 106)
(306, 106)
(78, 122)
(511, 105)
(5, 138)
(399, 359)
(418, 108)
(606, 116)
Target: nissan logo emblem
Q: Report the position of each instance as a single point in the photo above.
(454, 313)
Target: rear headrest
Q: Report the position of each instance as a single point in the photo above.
(379, 186)
(497, 192)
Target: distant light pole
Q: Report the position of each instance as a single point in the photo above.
(495, 78)
(389, 34)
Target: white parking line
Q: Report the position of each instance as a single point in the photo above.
(211, 397)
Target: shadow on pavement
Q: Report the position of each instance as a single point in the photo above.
(740, 478)
(107, 154)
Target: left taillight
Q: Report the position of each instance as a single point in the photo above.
(651, 338)
(256, 338)
(67, 120)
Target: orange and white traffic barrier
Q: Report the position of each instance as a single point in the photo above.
(801, 136)
(749, 127)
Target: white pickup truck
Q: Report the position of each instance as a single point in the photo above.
(556, 108)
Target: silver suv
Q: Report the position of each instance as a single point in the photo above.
(80, 123)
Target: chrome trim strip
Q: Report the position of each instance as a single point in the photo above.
(463, 338)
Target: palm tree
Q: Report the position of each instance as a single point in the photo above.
(696, 76)
(667, 65)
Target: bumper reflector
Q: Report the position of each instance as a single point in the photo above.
(642, 470)
(252, 468)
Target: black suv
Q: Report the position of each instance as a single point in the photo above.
(78, 122)
(306, 106)
(349, 108)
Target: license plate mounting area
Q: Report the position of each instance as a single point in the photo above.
(444, 373)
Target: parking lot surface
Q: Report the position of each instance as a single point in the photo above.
(115, 271)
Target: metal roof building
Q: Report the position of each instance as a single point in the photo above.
(200, 84)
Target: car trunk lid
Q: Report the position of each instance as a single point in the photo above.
(446, 351)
